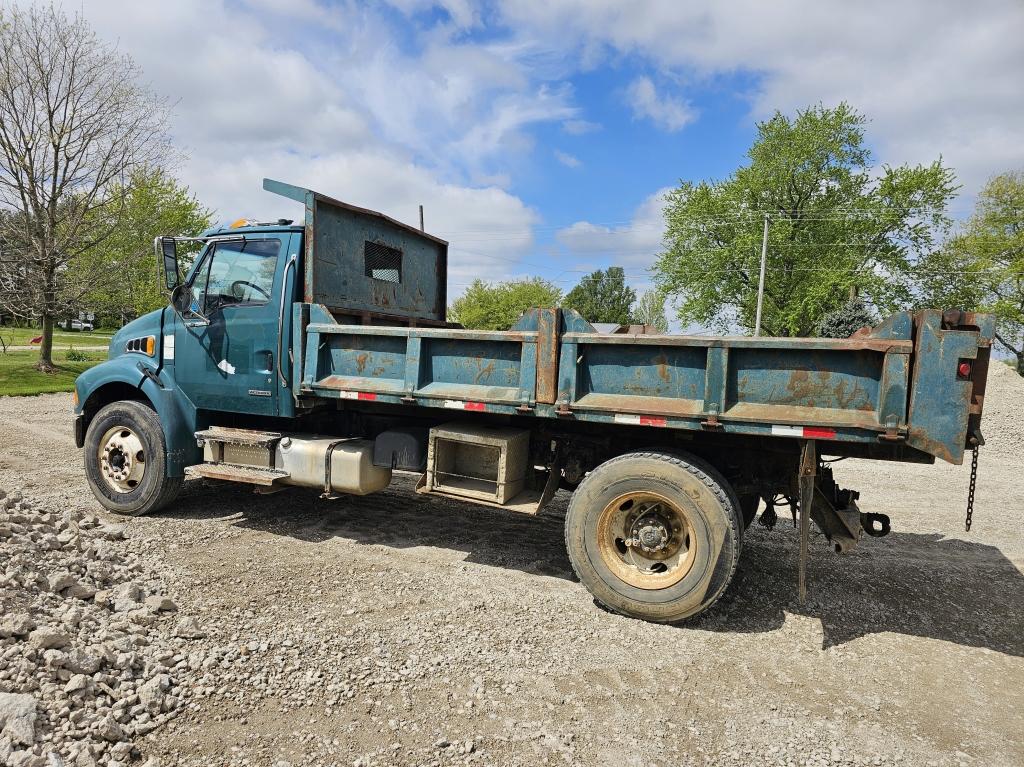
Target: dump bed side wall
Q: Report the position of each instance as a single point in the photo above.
(841, 390)
(552, 365)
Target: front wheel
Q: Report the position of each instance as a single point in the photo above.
(126, 459)
(654, 535)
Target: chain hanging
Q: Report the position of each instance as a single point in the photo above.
(970, 490)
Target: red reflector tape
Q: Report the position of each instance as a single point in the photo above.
(357, 395)
(640, 420)
(807, 432)
(816, 432)
(457, 404)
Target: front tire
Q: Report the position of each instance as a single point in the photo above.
(126, 460)
(654, 535)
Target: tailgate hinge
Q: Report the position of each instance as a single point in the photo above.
(892, 431)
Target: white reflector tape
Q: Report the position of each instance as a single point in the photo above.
(169, 346)
(458, 404)
(639, 420)
(357, 395)
(806, 432)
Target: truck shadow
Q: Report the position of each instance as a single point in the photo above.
(397, 518)
(918, 584)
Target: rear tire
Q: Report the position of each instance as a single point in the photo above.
(126, 460)
(655, 535)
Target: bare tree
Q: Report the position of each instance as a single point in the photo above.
(74, 125)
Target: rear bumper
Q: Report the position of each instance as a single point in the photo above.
(80, 430)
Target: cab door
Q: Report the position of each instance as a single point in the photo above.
(225, 350)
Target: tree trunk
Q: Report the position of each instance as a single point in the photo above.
(46, 347)
(1020, 363)
(45, 363)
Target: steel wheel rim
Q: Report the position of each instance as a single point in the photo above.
(646, 540)
(122, 459)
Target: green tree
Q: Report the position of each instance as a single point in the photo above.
(847, 319)
(125, 276)
(650, 310)
(497, 307)
(834, 224)
(982, 268)
(603, 297)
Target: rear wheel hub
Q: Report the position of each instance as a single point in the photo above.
(644, 539)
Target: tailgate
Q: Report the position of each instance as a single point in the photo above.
(950, 367)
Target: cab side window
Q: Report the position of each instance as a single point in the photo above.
(236, 274)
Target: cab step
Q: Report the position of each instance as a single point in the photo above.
(231, 472)
(230, 436)
(242, 448)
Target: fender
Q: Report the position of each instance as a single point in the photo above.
(121, 378)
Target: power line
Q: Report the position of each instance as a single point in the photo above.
(751, 215)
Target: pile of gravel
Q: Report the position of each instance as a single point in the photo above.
(1001, 423)
(92, 653)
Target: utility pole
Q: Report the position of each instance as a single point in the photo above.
(760, 284)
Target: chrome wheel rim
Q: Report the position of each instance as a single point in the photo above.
(122, 459)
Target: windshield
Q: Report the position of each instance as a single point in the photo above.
(235, 273)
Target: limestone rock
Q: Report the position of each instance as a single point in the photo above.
(46, 638)
(18, 718)
(16, 625)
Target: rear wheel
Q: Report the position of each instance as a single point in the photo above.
(126, 459)
(654, 535)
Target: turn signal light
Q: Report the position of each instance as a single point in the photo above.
(144, 345)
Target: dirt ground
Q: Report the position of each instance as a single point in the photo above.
(401, 630)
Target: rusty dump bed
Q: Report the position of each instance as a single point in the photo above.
(915, 379)
(371, 327)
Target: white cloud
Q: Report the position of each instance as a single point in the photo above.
(307, 93)
(665, 112)
(567, 159)
(580, 127)
(933, 77)
(633, 246)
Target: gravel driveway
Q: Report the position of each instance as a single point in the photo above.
(396, 629)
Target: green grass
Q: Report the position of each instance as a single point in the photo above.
(61, 338)
(18, 375)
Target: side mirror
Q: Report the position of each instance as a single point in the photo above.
(181, 299)
(167, 250)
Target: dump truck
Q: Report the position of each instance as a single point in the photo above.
(318, 355)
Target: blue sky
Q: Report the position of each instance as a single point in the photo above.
(540, 134)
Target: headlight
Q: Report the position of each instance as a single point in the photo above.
(144, 345)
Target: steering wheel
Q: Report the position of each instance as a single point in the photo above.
(238, 293)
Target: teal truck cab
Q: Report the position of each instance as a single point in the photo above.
(318, 355)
